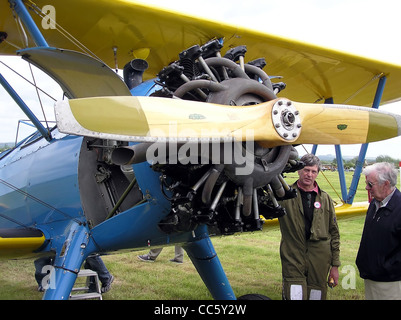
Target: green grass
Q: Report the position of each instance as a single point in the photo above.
(251, 262)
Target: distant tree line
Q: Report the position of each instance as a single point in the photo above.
(6, 146)
(388, 159)
(351, 163)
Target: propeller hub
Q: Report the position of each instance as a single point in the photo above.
(286, 120)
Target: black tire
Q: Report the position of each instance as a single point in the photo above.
(253, 296)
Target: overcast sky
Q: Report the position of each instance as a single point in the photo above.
(364, 27)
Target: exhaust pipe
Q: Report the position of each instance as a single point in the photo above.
(133, 72)
(130, 155)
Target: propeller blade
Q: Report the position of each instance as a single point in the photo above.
(272, 123)
(152, 118)
(343, 124)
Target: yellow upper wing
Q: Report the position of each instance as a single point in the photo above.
(311, 73)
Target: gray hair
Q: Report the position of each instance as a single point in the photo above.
(385, 172)
(311, 160)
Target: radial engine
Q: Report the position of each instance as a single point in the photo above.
(230, 186)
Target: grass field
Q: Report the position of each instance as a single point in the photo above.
(251, 262)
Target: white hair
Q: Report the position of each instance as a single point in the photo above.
(385, 172)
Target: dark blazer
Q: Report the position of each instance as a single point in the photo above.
(379, 255)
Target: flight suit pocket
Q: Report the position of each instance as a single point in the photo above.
(320, 225)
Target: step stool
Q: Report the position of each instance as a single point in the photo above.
(87, 295)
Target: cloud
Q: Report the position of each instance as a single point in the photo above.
(10, 113)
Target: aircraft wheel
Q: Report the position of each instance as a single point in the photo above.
(253, 296)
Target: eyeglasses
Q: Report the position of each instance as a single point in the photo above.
(370, 184)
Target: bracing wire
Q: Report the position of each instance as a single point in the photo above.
(328, 181)
(26, 194)
(62, 31)
(40, 100)
(27, 80)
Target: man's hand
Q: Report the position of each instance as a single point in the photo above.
(333, 277)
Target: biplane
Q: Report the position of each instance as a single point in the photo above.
(191, 142)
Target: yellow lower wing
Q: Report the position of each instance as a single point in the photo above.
(343, 211)
(347, 210)
(17, 243)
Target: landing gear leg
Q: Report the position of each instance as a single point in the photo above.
(204, 257)
(68, 262)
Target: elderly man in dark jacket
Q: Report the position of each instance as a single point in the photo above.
(379, 255)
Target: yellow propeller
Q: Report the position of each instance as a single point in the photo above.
(272, 123)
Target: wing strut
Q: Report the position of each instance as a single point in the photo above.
(45, 133)
(22, 12)
(364, 147)
(348, 196)
(34, 31)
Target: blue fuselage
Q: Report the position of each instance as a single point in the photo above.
(42, 182)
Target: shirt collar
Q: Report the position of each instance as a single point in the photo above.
(385, 201)
(315, 187)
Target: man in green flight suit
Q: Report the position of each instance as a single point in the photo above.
(310, 239)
